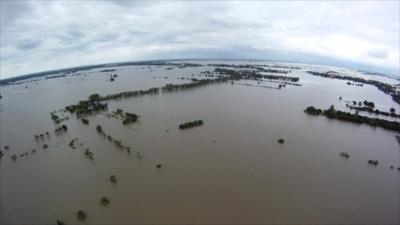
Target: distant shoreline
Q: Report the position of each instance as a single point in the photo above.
(69, 70)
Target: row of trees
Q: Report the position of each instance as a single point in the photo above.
(392, 112)
(386, 88)
(332, 113)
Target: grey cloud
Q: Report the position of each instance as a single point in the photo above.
(28, 44)
(378, 53)
(65, 33)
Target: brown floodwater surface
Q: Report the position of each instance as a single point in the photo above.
(231, 170)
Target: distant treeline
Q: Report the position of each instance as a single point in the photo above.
(252, 75)
(249, 66)
(331, 113)
(386, 88)
(107, 70)
(57, 76)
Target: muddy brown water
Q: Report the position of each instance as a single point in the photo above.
(231, 170)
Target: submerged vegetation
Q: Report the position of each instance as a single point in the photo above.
(191, 124)
(127, 118)
(85, 121)
(96, 103)
(104, 201)
(373, 162)
(332, 113)
(345, 155)
(81, 215)
(113, 179)
(386, 88)
(374, 111)
(61, 129)
(89, 154)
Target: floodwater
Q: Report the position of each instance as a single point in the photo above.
(231, 170)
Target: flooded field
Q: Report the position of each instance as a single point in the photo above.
(230, 170)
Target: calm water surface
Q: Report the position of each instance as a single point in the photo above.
(231, 170)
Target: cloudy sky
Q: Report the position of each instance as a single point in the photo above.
(45, 35)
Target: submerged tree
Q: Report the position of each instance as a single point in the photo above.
(113, 178)
(99, 129)
(104, 201)
(81, 215)
(89, 154)
(85, 121)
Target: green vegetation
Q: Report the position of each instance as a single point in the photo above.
(107, 70)
(85, 121)
(87, 107)
(89, 154)
(113, 179)
(130, 118)
(72, 144)
(54, 117)
(374, 111)
(253, 75)
(99, 129)
(191, 124)
(369, 104)
(345, 155)
(81, 215)
(331, 113)
(126, 117)
(373, 162)
(94, 102)
(104, 201)
(386, 88)
(61, 129)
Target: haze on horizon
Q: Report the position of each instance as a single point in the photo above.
(45, 35)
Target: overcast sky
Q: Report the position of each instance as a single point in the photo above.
(45, 35)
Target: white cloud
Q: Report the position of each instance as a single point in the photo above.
(44, 35)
